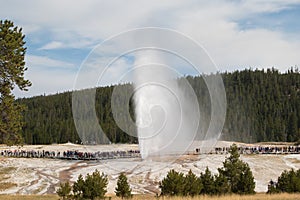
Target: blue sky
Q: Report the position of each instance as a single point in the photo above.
(236, 34)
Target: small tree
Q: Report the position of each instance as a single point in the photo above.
(289, 181)
(64, 190)
(238, 173)
(94, 186)
(272, 188)
(78, 187)
(123, 189)
(173, 184)
(221, 185)
(207, 180)
(192, 184)
(246, 181)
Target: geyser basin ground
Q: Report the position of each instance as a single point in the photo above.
(40, 176)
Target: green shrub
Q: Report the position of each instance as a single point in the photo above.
(92, 187)
(64, 190)
(238, 173)
(173, 184)
(123, 189)
(288, 181)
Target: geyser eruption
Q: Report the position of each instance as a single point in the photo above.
(166, 108)
(167, 111)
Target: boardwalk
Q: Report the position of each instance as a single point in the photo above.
(71, 154)
(120, 154)
(259, 149)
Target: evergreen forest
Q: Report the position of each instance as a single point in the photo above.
(262, 105)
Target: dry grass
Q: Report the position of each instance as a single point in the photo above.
(6, 170)
(227, 197)
(151, 197)
(29, 197)
(5, 173)
(7, 185)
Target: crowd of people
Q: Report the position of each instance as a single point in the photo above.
(104, 155)
(70, 154)
(257, 150)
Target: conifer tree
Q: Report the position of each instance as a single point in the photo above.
(78, 187)
(208, 182)
(192, 184)
(221, 185)
(238, 173)
(12, 68)
(123, 189)
(173, 184)
(95, 185)
(64, 190)
(289, 181)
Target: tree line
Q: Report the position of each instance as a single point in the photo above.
(262, 105)
(288, 181)
(93, 186)
(234, 177)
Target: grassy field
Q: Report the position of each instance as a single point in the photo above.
(29, 197)
(149, 197)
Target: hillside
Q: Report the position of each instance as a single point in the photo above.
(262, 105)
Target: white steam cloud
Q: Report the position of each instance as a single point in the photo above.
(167, 114)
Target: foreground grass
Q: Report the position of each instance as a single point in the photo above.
(151, 197)
(29, 197)
(248, 197)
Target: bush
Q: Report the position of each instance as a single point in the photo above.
(123, 189)
(221, 185)
(238, 173)
(64, 190)
(288, 181)
(78, 187)
(192, 184)
(173, 184)
(208, 182)
(94, 186)
(234, 177)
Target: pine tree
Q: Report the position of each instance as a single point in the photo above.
(238, 173)
(208, 182)
(246, 184)
(123, 189)
(221, 185)
(12, 68)
(64, 190)
(95, 185)
(79, 187)
(292, 130)
(289, 181)
(173, 184)
(192, 184)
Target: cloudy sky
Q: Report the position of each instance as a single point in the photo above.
(236, 34)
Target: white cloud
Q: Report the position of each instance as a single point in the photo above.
(43, 61)
(47, 82)
(52, 45)
(214, 24)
